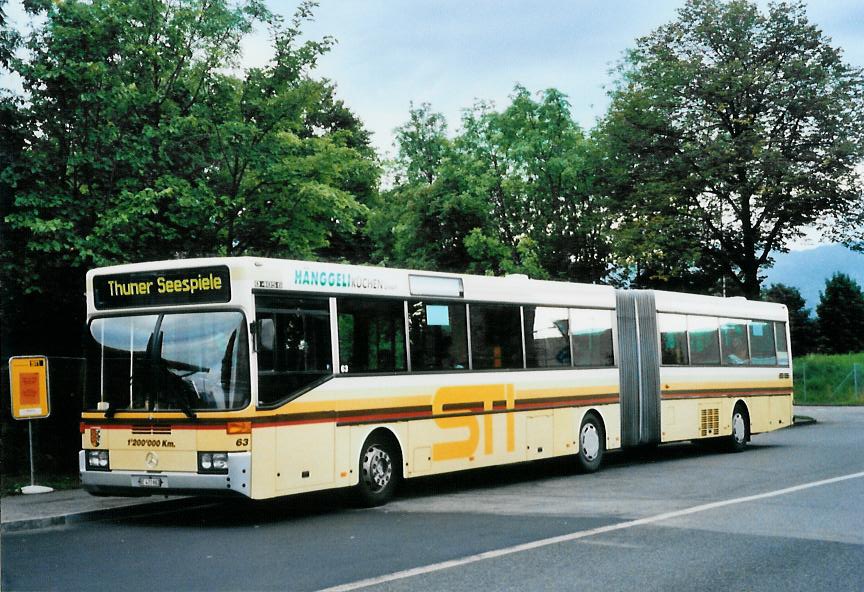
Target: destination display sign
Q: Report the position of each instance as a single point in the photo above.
(199, 285)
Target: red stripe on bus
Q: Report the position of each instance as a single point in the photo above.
(369, 416)
(384, 416)
(287, 422)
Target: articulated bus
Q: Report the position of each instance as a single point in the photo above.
(264, 377)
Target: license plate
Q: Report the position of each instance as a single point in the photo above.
(149, 481)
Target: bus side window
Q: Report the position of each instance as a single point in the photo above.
(762, 346)
(591, 336)
(733, 342)
(673, 339)
(547, 343)
(293, 346)
(702, 341)
(782, 345)
(438, 335)
(496, 336)
(371, 335)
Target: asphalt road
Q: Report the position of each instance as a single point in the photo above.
(787, 514)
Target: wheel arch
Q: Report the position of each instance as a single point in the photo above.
(388, 432)
(596, 412)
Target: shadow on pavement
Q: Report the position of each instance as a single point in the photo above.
(243, 513)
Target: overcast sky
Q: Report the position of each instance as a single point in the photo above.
(451, 52)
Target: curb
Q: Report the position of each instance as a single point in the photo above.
(801, 420)
(142, 509)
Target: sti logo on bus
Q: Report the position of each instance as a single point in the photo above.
(197, 285)
(458, 400)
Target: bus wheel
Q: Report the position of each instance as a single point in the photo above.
(592, 441)
(379, 472)
(740, 429)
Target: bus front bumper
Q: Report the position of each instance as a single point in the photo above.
(139, 483)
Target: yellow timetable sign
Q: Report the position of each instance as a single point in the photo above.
(28, 378)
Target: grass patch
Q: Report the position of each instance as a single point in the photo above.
(822, 379)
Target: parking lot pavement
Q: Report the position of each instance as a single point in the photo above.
(26, 512)
(43, 510)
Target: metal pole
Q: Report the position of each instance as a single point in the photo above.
(855, 378)
(30, 434)
(805, 381)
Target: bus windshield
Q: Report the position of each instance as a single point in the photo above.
(172, 361)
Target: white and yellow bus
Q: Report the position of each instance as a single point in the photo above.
(265, 377)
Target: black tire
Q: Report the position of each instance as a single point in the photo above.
(592, 444)
(737, 440)
(380, 470)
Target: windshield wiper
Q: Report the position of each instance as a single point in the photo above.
(168, 383)
(186, 408)
(189, 369)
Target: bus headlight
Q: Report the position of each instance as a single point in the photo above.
(97, 460)
(212, 462)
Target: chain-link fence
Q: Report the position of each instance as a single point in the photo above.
(830, 380)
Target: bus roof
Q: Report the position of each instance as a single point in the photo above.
(295, 276)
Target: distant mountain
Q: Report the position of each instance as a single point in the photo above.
(808, 270)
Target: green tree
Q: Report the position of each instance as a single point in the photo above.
(424, 218)
(537, 171)
(840, 316)
(488, 176)
(12, 134)
(729, 131)
(802, 327)
(513, 192)
(423, 145)
(143, 140)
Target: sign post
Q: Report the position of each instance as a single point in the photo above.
(28, 378)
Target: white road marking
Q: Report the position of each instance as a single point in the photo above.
(573, 536)
(610, 544)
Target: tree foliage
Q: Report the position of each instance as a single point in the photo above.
(423, 145)
(139, 138)
(513, 191)
(841, 316)
(730, 130)
(424, 218)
